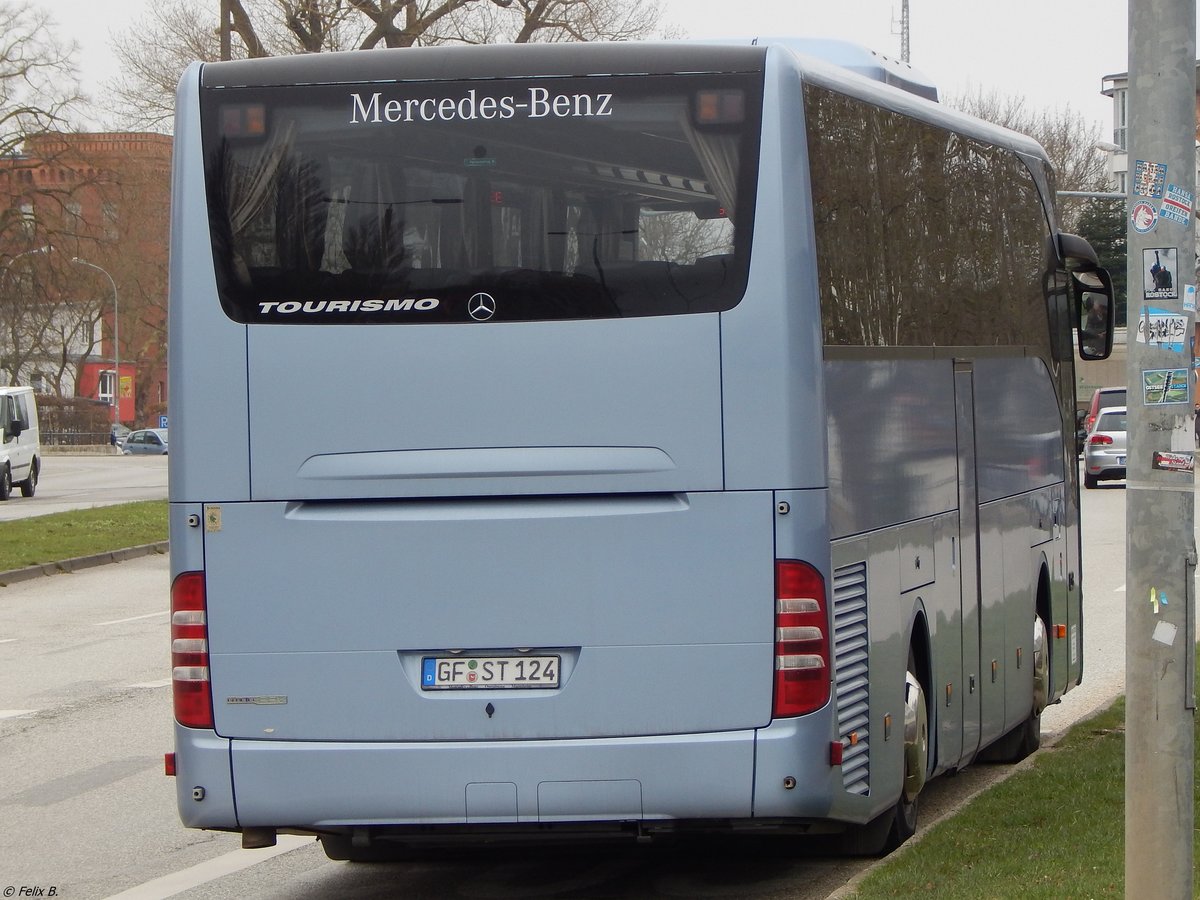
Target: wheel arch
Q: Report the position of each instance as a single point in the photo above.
(1043, 608)
(920, 645)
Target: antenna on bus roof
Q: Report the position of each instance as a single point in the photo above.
(862, 61)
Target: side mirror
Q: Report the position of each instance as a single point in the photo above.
(1091, 288)
(1097, 311)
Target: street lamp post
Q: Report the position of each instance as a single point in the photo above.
(116, 340)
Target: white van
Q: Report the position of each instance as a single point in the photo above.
(20, 452)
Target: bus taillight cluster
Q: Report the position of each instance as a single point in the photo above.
(801, 639)
(189, 652)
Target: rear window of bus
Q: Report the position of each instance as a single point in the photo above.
(519, 199)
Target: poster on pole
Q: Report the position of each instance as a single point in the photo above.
(1164, 386)
(1158, 273)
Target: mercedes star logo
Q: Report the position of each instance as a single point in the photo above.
(481, 307)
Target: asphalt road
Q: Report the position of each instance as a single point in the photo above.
(84, 807)
(79, 482)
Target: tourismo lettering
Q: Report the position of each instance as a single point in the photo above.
(292, 307)
(538, 103)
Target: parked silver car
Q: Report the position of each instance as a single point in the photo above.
(1104, 452)
(147, 440)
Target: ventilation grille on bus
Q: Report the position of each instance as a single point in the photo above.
(851, 675)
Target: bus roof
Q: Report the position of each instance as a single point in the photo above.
(838, 65)
(466, 63)
(861, 60)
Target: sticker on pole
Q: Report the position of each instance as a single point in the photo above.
(1149, 178)
(1177, 205)
(1162, 386)
(1144, 217)
(1162, 329)
(1164, 633)
(1158, 273)
(1174, 461)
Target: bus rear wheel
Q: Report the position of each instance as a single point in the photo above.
(916, 754)
(886, 832)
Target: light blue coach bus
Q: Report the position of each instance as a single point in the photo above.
(611, 440)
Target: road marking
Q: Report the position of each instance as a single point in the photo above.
(132, 619)
(7, 640)
(202, 873)
(1120, 590)
(161, 683)
(13, 713)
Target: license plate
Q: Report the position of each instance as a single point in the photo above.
(453, 673)
(1120, 460)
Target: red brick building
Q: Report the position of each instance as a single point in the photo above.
(83, 248)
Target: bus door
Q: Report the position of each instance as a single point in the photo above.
(970, 678)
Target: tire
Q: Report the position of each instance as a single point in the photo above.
(5, 483)
(1090, 481)
(890, 829)
(29, 485)
(916, 755)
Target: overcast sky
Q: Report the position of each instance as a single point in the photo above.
(1053, 52)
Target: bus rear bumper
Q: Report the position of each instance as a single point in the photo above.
(320, 786)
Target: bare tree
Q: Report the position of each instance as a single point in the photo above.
(153, 57)
(39, 85)
(1069, 140)
(43, 326)
(155, 53)
(39, 92)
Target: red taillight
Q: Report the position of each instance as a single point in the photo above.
(189, 652)
(1100, 439)
(801, 639)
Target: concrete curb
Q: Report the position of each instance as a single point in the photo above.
(80, 562)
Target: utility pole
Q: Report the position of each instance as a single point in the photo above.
(226, 29)
(1160, 499)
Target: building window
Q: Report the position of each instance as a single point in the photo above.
(111, 215)
(28, 220)
(1120, 117)
(105, 391)
(73, 216)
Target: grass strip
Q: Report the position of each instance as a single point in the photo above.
(1055, 829)
(82, 532)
